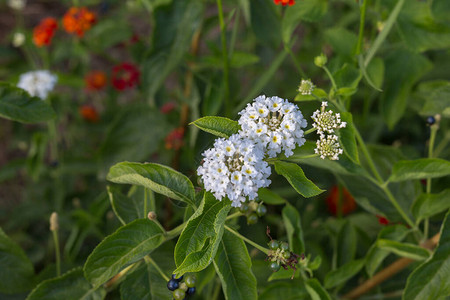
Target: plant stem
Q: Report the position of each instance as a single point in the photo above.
(310, 131)
(149, 260)
(434, 129)
(226, 66)
(57, 252)
(235, 215)
(259, 247)
(331, 77)
(362, 22)
(296, 63)
(175, 232)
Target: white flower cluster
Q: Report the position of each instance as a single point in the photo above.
(16, 4)
(306, 87)
(234, 168)
(328, 147)
(327, 121)
(38, 83)
(274, 123)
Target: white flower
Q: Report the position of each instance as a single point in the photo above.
(236, 176)
(38, 83)
(18, 39)
(274, 123)
(326, 121)
(16, 4)
(306, 87)
(328, 146)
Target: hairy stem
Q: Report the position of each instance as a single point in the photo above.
(149, 260)
(259, 247)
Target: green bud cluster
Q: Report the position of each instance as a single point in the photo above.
(253, 210)
(278, 255)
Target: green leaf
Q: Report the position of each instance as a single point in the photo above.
(419, 169)
(347, 137)
(107, 33)
(294, 174)
(374, 72)
(127, 245)
(71, 285)
(158, 178)
(404, 249)
(375, 255)
(17, 273)
(310, 11)
(428, 205)
(265, 22)
(292, 223)
(290, 290)
(431, 279)
(233, 266)
(403, 69)
(316, 290)
(342, 40)
(269, 197)
(127, 208)
(18, 105)
(341, 275)
(437, 101)
(319, 93)
(137, 284)
(201, 236)
(346, 243)
(219, 126)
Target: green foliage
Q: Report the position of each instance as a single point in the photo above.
(420, 169)
(343, 273)
(219, 126)
(404, 249)
(17, 105)
(292, 222)
(295, 176)
(428, 205)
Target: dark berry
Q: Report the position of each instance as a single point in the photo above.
(273, 244)
(190, 280)
(275, 266)
(178, 294)
(172, 285)
(261, 210)
(431, 120)
(190, 291)
(177, 279)
(244, 208)
(284, 246)
(252, 219)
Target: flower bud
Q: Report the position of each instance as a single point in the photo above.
(320, 60)
(152, 216)
(54, 225)
(18, 39)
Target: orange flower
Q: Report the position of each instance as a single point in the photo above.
(43, 33)
(78, 20)
(174, 140)
(284, 2)
(348, 203)
(89, 113)
(95, 80)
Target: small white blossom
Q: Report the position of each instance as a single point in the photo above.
(234, 168)
(306, 87)
(38, 83)
(18, 39)
(274, 123)
(327, 121)
(16, 4)
(328, 146)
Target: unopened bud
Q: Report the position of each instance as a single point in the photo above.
(152, 216)
(320, 60)
(54, 225)
(18, 39)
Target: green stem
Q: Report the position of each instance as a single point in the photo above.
(57, 252)
(296, 63)
(225, 59)
(442, 145)
(259, 247)
(175, 232)
(145, 202)
(362, 22)
(310, 131)
(149, 260)
(397, 206)
(52, 132)
(366, 153)
(434, 129)
(331, 77)
(235, 215)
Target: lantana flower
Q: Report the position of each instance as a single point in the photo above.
(284, 2)
(89, 113)
(78, 20)
(306, 87)
(44, 32)
(95, 80)
(174, 140)
(125, 76)
(38, 83)
(274, 123)
(327, 121)
(234, 168)
(328, 147)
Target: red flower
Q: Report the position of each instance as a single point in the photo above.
(168, 107)
(348, 203)
(44, 32)
(95, 80)
(284, 2)
(125, 76)
(89, 113)
(382, 220)
(78, 20)
(174, 140)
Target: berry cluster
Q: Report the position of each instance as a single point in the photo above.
(182, 289)
(280, 256)
(252, 210)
